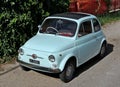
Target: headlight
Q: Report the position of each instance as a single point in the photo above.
(21, 51)
(51, 58)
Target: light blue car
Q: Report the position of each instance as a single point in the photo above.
(63, 42)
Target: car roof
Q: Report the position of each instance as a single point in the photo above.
(72, 15)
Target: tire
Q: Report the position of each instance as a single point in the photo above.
(102, 52)
(24, 68)
(68, 72)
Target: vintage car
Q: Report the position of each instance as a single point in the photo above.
(63, 42)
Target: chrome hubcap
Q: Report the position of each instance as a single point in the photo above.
(102, 50)
(69, 70)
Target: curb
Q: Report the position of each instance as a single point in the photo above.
(8, 68)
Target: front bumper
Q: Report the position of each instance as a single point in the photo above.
(38, 68)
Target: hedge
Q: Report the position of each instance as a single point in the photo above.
(19, 20)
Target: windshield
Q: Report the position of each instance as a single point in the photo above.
(59, 26)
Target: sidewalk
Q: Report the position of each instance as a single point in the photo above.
(5, 68)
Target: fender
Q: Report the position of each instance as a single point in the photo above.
(64, 61)
(103, 40)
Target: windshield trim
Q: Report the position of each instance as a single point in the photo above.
(59, 18)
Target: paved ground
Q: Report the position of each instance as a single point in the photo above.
(95, 73)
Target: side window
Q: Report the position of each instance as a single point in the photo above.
(96, 25)
(85, 28)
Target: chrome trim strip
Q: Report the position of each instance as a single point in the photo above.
(37, 56)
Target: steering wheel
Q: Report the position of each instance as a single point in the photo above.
(51, 30)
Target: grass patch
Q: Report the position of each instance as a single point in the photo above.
(109, 17)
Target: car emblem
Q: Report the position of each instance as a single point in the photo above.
(34, 56)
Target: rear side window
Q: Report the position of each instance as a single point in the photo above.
(85, 28)
(96, 25)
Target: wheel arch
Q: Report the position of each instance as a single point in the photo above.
(103, 42)
(67, 59)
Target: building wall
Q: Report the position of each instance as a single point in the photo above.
(93, 6)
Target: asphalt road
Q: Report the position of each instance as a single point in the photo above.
(103, 72)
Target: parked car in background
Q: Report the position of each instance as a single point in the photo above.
(63, 42)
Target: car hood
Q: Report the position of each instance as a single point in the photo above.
(49, 43)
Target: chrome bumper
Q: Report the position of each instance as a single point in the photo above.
(38, 68)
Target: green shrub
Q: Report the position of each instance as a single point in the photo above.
(19, 20)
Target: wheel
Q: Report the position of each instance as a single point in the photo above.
(68, 72)
(102, 51)
(24, 68)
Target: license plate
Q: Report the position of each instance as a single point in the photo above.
(34, 61)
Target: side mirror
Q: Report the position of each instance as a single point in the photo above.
(39, 27)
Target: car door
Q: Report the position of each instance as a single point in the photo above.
(86, 42)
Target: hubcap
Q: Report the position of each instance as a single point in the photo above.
(102, 50)
(69, 71)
